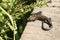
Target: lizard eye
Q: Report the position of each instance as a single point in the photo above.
(50, 19)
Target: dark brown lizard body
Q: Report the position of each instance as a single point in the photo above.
(39, 16)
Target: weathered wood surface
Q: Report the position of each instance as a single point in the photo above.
(33, 30)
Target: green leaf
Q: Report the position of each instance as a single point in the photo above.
(12, 3)
(1, 17)
(10, 26)
(0, 1)
(1, 38)
(4, 5)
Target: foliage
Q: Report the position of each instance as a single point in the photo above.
(13, 17)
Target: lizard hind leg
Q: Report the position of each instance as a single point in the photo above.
(48, 22)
